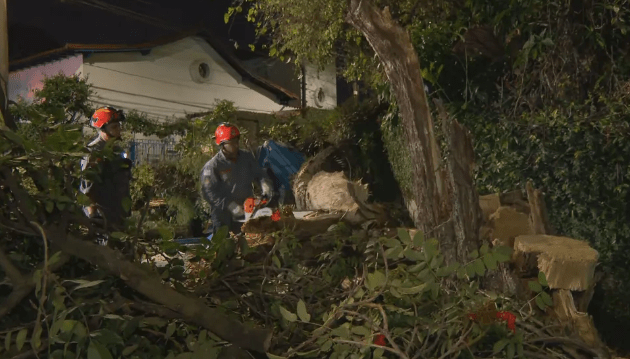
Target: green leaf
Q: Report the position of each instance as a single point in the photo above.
(97, 351)
(436, 261)
(171, 329)
(301, 311)
(130, 349)
(287, 314)
(271, 356)
(519, 350)
(404, 236)
(207, 350)
(503, 253)
(84, 283)
(391, 243)
(480, 269)
(361, 330)
(461, 273)
(155, 321)
(540, 303)
(378, 353)
(534, 286)
(7, 341)
(470, 270)
(416, 267)
(510, 351)
(542, 279)
(413, 255)
(418, 239)
(118, 235)
(375, 279)
(413, 290)
(12, 136)
(342, 331)
(490, 261)
(50, 206)
(484, 249)
(498, 346)
(126, 204)
(276, 261)
(20, 339)
(393, 253)
(546, 298)
(474, 254)
(36, 338)
(435, 290)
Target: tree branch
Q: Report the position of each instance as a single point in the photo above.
(191, 309)
(26, 285)
(12, 272)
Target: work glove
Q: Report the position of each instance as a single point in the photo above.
(236, 210)
(267, 191)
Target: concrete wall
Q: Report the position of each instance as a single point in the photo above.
(321, 87)
(167, 82)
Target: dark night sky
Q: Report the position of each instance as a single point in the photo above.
(40, 25)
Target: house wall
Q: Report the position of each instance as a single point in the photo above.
(161, 84)
(324, 80)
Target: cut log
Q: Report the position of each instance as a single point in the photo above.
(566, 262)
(580, 323)
(538, 215)
(302, 228)
(489, 204)
(506, 224)
(334, 192)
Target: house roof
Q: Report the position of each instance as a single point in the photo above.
(283, 95)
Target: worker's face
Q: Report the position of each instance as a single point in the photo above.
(112, 130)
(231, 147)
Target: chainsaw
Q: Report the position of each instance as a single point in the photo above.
(255, 208)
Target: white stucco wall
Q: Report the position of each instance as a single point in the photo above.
(160, 84)
(326, 80)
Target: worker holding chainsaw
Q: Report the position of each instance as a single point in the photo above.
(107, 170)
(226, 180)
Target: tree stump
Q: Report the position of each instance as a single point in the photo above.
(567, 263)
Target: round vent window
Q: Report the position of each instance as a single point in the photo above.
(204, 70)
(200, 71)
(320, 96)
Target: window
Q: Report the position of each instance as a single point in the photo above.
(319, 97)
(200, 71)
(204, 70)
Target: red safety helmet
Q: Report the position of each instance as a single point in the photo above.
(105, 115)
(225, 132)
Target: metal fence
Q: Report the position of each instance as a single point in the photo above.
(152, 151)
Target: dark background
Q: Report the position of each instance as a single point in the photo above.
(39, 25)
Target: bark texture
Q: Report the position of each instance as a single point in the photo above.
(444, 203)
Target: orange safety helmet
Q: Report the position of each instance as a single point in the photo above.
(225, 132)
(105, 115)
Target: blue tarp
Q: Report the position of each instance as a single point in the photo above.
(283, 162)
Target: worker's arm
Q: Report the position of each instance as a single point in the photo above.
(261, 175)
(86, 185)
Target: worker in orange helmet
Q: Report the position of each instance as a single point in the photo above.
(107, 184)
(226, 180)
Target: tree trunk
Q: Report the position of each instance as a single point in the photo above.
(444, 204)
